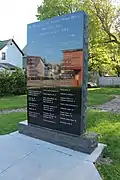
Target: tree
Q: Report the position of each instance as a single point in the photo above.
(51, 8)
(109, 17)
(104, 27)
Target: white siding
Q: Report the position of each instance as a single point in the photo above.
(13, 55)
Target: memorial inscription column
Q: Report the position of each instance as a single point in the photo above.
(70, 109)
(50, 106)
(34, 106)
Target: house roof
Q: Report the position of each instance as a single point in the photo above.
(5, 42)
(1, 66)
(24, 50)
(7, 66)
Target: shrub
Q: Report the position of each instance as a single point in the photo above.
(12, 82)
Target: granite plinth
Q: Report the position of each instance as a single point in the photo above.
(85, 143)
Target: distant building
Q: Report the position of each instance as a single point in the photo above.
(73, 64)
(73, 59)
(10, 54)
(35, 67)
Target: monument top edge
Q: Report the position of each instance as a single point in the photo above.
(76, 13)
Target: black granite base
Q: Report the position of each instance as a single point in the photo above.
(85, 143)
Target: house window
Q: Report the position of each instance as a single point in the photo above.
(3, 56)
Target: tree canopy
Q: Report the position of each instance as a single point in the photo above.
(104, 29)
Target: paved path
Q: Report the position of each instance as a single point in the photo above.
(110, 106)
(7, 111)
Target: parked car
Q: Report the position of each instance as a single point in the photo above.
(92, 85)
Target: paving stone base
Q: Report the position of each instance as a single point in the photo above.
(85, 143)
(26, 158)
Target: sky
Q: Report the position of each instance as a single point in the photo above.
(14, 17)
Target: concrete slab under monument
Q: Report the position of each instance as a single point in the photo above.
(23, 157)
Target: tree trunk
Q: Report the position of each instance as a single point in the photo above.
(118, 71)
(100, 73)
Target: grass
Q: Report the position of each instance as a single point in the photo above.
(98, 99)
(109, 91)
(11, 102)
(9, 122)
(98, 96)
(107, 125)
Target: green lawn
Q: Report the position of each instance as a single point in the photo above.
(11, 102)
(107, 125)
(109, 91)
(9, 122)
(95, 99)
(98, 96)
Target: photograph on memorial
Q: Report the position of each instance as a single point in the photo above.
(56, 73)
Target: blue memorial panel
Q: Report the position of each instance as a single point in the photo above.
(57, 73)
(48, 38)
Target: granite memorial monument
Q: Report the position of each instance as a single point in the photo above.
(57, 68)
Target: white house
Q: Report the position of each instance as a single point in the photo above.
(35, 67)
(10, 54)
